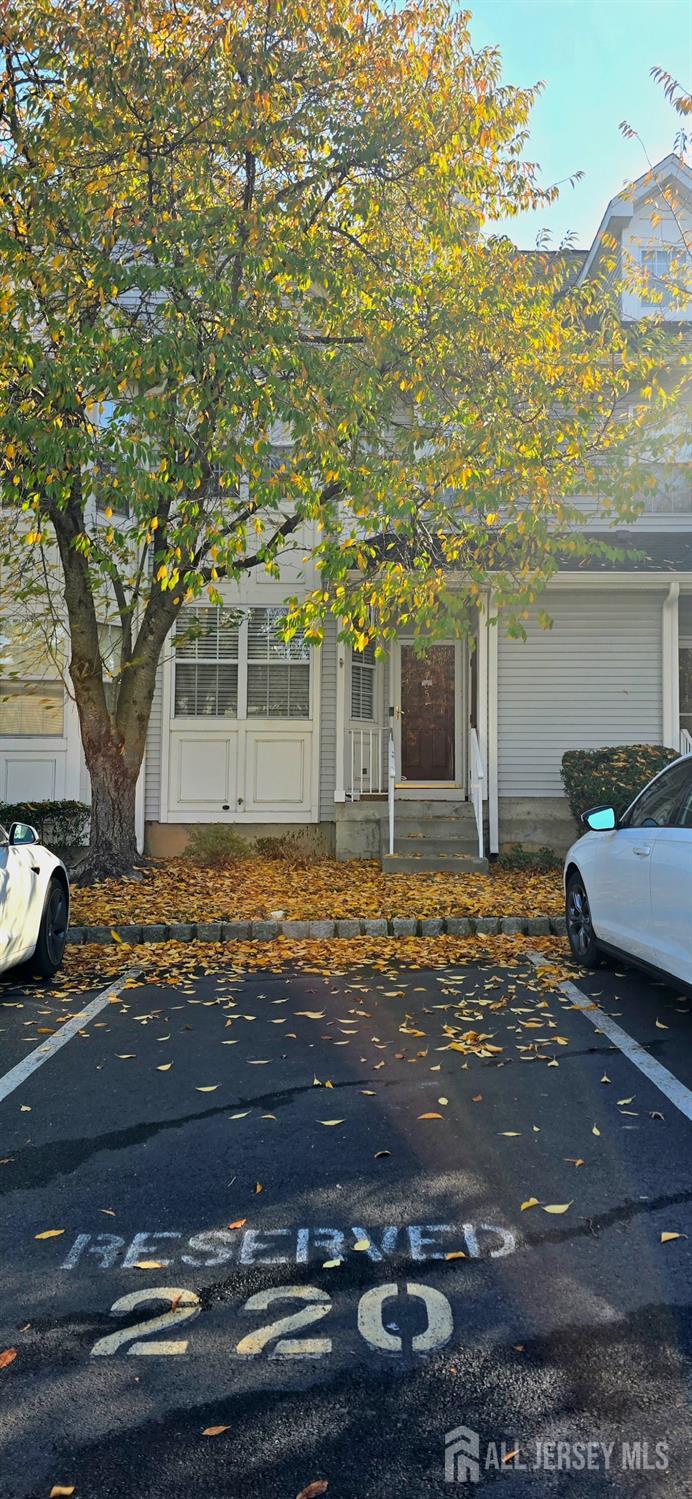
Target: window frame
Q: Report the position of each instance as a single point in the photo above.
(372, 668)
(244, 664)
(29, 685)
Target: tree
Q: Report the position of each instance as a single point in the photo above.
(220, 219)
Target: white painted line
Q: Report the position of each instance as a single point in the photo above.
(19, 1074)
(670, 1086)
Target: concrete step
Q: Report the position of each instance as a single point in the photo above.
(418, 833)
(447, 863)
(439, 810)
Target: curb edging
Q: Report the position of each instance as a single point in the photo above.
(320, 930)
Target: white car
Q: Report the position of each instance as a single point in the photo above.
(628, 881)
(34, 903)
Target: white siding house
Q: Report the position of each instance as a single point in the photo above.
(244, 730)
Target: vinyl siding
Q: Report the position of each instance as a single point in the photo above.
(594, 679)
(328, 724)
(152, 777)
(685, 616)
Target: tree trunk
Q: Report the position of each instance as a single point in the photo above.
(112, 843)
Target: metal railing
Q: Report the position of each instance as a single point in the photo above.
(685, 742)
(365, 775)
(476, 779)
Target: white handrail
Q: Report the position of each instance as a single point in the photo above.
(364, 761)
(685, 742)
(391, 783)
(476, 778)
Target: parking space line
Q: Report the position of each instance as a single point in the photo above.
(19, 1074)
(670, 1086)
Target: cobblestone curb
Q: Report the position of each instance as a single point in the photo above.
(303, 931)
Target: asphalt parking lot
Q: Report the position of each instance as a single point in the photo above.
(363, 1228)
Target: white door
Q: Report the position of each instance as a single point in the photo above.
(618, 872)
(16, 888)
(671, 889)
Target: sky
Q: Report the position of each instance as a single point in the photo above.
(594, 57)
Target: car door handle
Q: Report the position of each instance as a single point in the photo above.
(642, 850)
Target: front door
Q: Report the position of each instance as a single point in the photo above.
(428, 713)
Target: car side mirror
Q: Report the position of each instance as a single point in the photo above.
(22, 832)
(600, 819)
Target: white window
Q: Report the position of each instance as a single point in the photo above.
(278, 671)
(363, 668)
(225, 659)
(32, 702)
(656, 265)
(206, 663)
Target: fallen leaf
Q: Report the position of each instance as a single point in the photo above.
(455, 1254)
(660, 1026)
(595, 1130)
(125, 1056)
(214, 1431)
(7, 1357)
(209, 1088)
(556, 1207)
(330, 1121)
(443, 1101)
(667, 1238)
(380, 1154)
(531, 1202)
(429, 1116)
(311, 1014)
(331, 1264)
(605, 1078)
(238, 1223)
(477, 1098)
(164, 1067)
(623, 1101)
(61, 1491)
(50, 1233)
(314, 1489)
(362, 1244)
(241, 1116)
(574, 1160)
(510, 1134)
(258, 1188)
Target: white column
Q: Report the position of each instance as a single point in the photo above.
(493, 810)
(671, 668)
(482, 685)
(340, 785)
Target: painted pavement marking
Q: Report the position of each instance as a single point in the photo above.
(670, 1086)
(43, 1053)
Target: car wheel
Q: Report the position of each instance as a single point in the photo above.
(52, 933)
(580, 930)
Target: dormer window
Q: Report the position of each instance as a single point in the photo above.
(656, 287)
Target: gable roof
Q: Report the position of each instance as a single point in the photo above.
(672, 169)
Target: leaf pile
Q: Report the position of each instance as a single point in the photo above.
(254, 888)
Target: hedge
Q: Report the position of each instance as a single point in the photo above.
(58, 824)
(612, 776)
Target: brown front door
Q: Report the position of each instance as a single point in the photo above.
(427, 714)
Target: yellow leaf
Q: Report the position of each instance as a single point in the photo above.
(429, 1116)
(116, 937)
(595, 1130)
(61, 1490)
(622, 1101)
(50, 1233)
(455, 1254)
(311, 1014)
(241, 1116)
(164, 1067)
(331, 1264)
(660, 1026)
(531, 1202)
(362, 1244)
(210, 1088)
(148, 1265)
(510, 1134)
(258, 1188)
(557, 1207)
(667, 1238)
(330, 1121)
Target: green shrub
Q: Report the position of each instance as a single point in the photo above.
(58, 824)
(288, 848)
(216, 843)
(535, 860)
(611, 777)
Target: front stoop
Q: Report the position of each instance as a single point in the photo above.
(432, 862)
